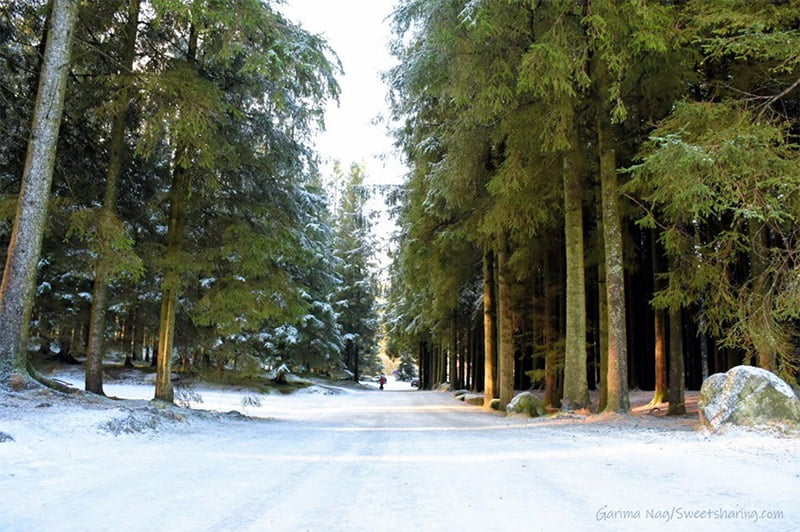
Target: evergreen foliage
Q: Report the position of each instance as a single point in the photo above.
(355, 298)
(536, 133)
(227, 95)
(511, 113)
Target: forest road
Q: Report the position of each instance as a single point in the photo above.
(424, 461)
(392, 461)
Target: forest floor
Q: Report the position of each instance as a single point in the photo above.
(332, 457)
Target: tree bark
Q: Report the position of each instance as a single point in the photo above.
(677, 384)
(766, 354)
(618, 399)
(356, 369)
(180, 193)
(602, 334)
(25, 246)
(181, 188)
(452, 355)
(661, 389)
(576, 389)
(97, 320)
(551, 357)
(505, 359)
(423, 366)
(489, 330)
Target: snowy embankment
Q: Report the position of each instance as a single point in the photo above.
(333, 458)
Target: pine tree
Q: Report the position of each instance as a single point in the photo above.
(17, 289)
(111, 235)
(355, 299)
(276, 79)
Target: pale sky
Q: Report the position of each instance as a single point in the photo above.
(359, 33)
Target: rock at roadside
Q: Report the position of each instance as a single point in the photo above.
(526, 404)
(279, 375)
(746, 395)
(472, 398)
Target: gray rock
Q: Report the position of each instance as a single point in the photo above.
(472, 398)
(279, 375)
(746, 395)
(526, 404)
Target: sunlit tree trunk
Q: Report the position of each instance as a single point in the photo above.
(660, 353)
(576, 389)
(116, 148)
(170, 289)
(179, 195)
(25, 246)
(489, 329)
(505, 359)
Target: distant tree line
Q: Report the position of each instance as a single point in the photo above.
(186, 223)
(602, 194)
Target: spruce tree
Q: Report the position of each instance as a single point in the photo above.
(19, 278)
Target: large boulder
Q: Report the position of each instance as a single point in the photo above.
(747, 396)
(526, 404)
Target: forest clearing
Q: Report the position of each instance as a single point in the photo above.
(340, 458)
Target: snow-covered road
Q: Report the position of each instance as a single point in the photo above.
(394, 460)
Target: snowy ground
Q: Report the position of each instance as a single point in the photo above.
(328, 458)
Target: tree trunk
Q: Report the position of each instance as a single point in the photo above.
(356, 369)
(138, 339)
(442, 362)
(489, 330)
(423, 366)
(764, 339)
(618, 399)
(576, 389)
(25, 246)
(602, 335)
(660, 392)
(677, 404)
(425, 354)
(551, 357)
(505, 359)
(181, 187)
(180, 194)
(436, 361)
(453, 357)
(166, 328)
(116, 148)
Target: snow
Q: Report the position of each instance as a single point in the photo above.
(337, 457)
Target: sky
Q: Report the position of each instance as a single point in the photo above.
(358, 30)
